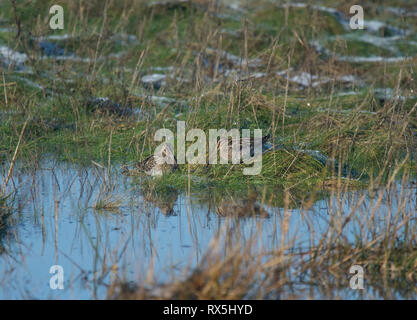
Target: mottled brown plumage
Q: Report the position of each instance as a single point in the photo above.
(157, 165)
(225, 146)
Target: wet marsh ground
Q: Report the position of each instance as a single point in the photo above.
(338, 183)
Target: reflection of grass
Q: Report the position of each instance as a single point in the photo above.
(5, 215)
(107, 204)
(234, 267)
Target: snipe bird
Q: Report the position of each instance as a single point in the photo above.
(159, 164)
(225, 146)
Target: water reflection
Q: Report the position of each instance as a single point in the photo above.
(159, 235)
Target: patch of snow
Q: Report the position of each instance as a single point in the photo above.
(357, 59)
(306, 79)
(234, 59)
(152, 78)
(11, 57)
(57, 37)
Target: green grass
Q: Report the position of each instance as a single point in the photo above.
(63, 126)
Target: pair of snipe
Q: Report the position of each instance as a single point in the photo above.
(156, 165)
